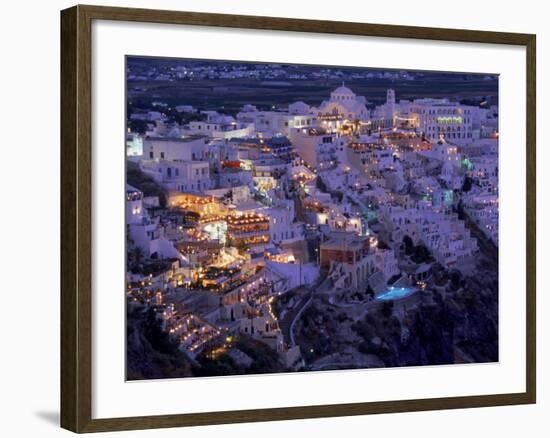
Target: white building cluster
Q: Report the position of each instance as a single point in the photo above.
(266, 201)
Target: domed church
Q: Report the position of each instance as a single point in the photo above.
(345, 105)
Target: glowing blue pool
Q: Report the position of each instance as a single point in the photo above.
(396, 293)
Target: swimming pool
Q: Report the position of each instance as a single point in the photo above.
(396, 293)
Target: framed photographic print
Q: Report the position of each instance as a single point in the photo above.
(268, 218)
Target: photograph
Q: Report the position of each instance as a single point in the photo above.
(272, 219)
(296, 218)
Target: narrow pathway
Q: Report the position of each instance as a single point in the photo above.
(297, 316)
(286, 323)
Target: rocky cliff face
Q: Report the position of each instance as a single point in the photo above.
(150, 354)
(454, 324)
(455, 320)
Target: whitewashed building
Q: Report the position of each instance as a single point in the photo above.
(178, 175)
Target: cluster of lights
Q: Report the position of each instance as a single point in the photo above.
(206, 219)
(247, 219)
(450, 120)
(191, 200)
(133, 196)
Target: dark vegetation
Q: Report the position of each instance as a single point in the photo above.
(467, 184)
(136, 262)
(148, 186)
(419, 253)
(138, 126)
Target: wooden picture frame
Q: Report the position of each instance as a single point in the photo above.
(76, 218)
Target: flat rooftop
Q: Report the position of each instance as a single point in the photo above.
(345, 241)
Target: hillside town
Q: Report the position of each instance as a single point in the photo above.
(267, 240)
